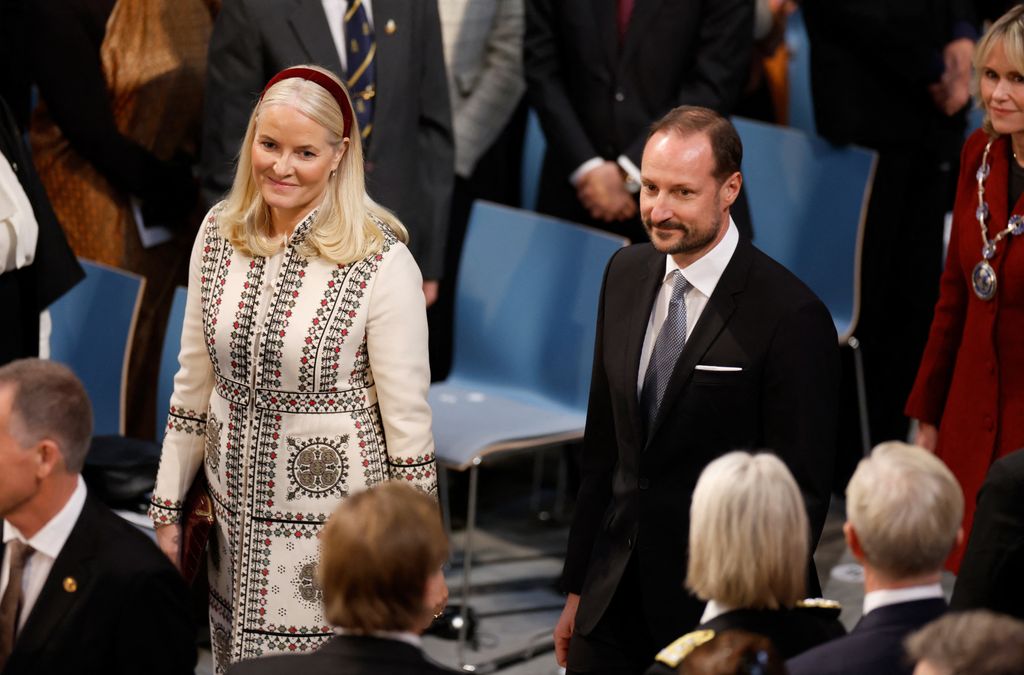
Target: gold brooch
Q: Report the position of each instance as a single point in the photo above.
(70, 585)
(390, 27)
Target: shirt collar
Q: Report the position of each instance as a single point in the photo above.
(49, 540)
(401, 635)
(713, 610)
(893, 596)
(704, 273)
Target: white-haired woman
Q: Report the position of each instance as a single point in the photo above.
(748, 559)
(304, 370)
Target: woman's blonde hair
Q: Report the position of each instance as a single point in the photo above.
(346, 225)
(749, 534)
(1009, 31)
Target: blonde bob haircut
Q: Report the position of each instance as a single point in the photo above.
(345, 228)
(906, 507)
(377, 552)
(1008, 30)
(748, 534)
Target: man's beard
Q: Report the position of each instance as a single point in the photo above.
(692, 239)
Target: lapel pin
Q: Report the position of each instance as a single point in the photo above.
(390, 27)
(70, 585)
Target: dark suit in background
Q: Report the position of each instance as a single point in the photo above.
(111, 604)
(346, 655)
(874, 646)
(871, 64)
(991, 571)
(25, 292)
(597, 99)
(631, 526)
(410, 162)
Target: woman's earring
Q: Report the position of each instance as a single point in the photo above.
(333, 172)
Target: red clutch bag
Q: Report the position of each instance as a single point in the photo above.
(197, 520)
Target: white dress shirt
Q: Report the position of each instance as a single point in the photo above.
(893, 596)
(19, 230)
(46, 544)
(713, 610)
(335, 11)
(703, 275)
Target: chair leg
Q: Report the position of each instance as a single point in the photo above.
(862, 397)
(467, 564)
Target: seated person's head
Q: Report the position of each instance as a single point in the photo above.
(45, 429)
(734, 652)
(746, 522)
(903, 511)
(978, 642)
(380, 560)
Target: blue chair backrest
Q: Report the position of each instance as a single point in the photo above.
(534, 147)
(169, 360)
(798, 71)
(526, 302)
(93, 325)
(808, 199)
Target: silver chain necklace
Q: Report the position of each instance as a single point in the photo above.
(983, 278)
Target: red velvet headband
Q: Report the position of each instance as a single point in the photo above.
(324, 81)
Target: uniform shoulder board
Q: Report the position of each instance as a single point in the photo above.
(672, 655)
(821, 606)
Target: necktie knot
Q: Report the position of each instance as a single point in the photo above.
(20, 552)
(680, 287)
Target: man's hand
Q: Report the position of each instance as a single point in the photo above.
(168, 538)
(603, 193)
(565, 627)
(951, 93)
(430, 288)
(927, 436)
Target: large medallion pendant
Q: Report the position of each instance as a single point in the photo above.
(984, 280)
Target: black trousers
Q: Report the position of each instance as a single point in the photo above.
(621, 642)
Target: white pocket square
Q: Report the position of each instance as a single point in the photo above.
(720, 369)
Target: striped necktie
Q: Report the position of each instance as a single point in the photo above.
(361, 77)
(667, 348)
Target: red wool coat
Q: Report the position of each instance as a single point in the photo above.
(971, 379)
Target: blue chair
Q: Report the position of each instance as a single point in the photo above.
(93, 326)
(169, 360)
(809, 199)
(798, 70)
(525, 318)
(534, 147)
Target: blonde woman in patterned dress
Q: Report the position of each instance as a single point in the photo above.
(303, 373)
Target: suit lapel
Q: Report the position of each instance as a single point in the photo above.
(309, 23)
(644, 13)
(649, 283)
(57, 599)
(712, 320)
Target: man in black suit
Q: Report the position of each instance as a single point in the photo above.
(410, 153)
(903, 511)
(82, 590)
(600, 72)
(380, 570)
(704, 345)
(990, 574)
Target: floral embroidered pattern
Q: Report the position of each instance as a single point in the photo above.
(419, 471)
(315, 332)
(307, 588)
(360, 375)
(212, 444)
(318, 467)
(186, 421)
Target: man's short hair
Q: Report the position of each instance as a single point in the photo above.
(748, 533)
(49, 402)
(726, 145)
(906, 508)
(376, 554)
(978, 642)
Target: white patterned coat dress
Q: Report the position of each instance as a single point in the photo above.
(301, 381)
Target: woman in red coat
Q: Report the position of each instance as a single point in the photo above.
(969, 393)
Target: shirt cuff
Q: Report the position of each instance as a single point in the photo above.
(584, 169)
(629, 167)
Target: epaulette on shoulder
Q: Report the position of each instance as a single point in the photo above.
(672, 655)
(829, 609)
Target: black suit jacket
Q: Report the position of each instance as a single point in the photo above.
(874, 646)
(634, 498)
(346, 655)
(990, 574)
(410, 166)
(111, 604)
(595, 99)
(24, 293)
